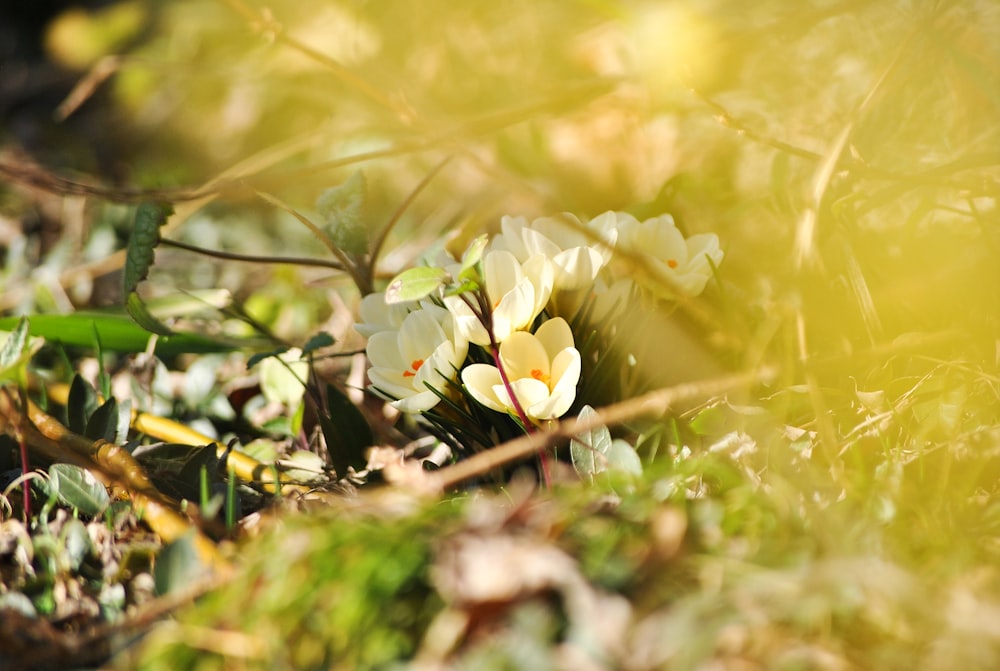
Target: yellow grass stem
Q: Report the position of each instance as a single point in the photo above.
(112, 464)
(243, 465)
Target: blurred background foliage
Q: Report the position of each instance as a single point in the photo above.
(728, 116)
(846, 152)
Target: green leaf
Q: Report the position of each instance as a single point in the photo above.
(76, 543)
(103, 424)
(414, 284)
(81, 404)
(282, 378)
(465, 286)
(78, 488)
(149, 217)
(119, 333)
(15, 344)
(260, 356)
(17, 350)
(143, 317)
(623, 457)
(473, 253)
(346, 431)
(175, 469)
(178, 565)
(710, 421)
(343, 208)
(305, 467)
(587, 450)
(318, 341)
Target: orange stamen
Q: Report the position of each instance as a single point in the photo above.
(672, 263)
(415, 365)
(539, 375)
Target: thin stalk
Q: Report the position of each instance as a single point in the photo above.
(486, 319)
(384, 233)
(252, 258)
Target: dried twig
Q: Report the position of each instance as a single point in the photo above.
(653, 404)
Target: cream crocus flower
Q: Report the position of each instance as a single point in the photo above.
(518, 291)
(543, 369)
(377, 315)
(424, 351)
(685, 263)
(577, 250)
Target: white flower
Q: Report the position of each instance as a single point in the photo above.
(377, 315)
(685, 264)
(518, 293)
(424, 351)
(578, 251)
(543, 370)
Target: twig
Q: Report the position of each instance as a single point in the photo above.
(351, 268)
(384, 233)
(653, 404)
(251, 258)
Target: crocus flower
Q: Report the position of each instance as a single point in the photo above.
(518, 292)
(577, 250)
(376, 315)
(685, 263)
(424, 351)
(543, 369)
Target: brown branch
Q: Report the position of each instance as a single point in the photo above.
(653, 404)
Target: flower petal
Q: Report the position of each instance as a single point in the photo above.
(523, 356)
(479, 380)
(529, 392)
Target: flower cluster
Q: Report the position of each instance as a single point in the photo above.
(493, 329)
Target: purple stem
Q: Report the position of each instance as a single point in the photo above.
(486, 319)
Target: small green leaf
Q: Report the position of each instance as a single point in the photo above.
(15, 344)
(466, 286)
(178, 565)
(143, 317)
(260, 356)
(103, 423)
(712, 420)
(414, 284)
(346, 431)
(283, 377)
(81, 404)
(318, 341)
(78, 488)
(623, 457)
(149, 217)
(76, 543)
(305, 467)
(17, 350)
(587, 450)
(473, 253)
(343, 208)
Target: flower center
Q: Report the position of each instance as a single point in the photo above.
(672, 263)
(414, 367)
(539, 375)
